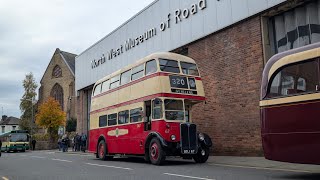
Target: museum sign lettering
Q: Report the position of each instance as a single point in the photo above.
(178, 16)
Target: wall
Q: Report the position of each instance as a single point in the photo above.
(8, 128)
(67, 78)
(231, 64)
(216, 16)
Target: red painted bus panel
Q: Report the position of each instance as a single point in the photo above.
(132, 141)
(291, 133)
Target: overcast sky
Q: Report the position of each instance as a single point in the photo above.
(30, 31)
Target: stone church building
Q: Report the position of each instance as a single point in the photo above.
(58, 82)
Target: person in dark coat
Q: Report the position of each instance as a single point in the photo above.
(78, 141)
(33, 142)
(83, 142)
(0, 147)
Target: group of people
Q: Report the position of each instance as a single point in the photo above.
(79, 142)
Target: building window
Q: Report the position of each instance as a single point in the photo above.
(2, 129)
(57, 94)
(57, 72)
(13, 128)
(295, 28)
(183, 51)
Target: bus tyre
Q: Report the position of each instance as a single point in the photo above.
(202, 155)
(102, 150)
(156, 153)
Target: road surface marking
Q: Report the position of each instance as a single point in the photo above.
(116, 167)
(40, 157)
(261, 168)
(4, 178)
(191, 177)
(61, 160)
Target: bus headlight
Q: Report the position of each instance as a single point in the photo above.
(173, 137)
(201, 137)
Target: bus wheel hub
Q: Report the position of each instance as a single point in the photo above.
(154, 151)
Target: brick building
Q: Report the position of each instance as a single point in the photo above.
(231, 40)
(58, 82)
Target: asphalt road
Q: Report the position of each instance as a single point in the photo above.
(46, 165)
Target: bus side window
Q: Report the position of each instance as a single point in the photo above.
(295, 79)
(137, 72)
(105, 86)
(123, 117)
(115, 82)
(136, 115)
(125, 77)
(157, 109)
(151, 67)
(112, 119)
(103, 121)
(97, 90)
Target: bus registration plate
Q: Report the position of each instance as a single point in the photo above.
(192, 151)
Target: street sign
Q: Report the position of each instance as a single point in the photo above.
(61, 130)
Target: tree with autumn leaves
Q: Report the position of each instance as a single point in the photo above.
(50, 116)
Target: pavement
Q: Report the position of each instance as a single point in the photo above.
(246, 162)
(53, 164)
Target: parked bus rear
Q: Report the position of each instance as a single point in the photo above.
(290, 106)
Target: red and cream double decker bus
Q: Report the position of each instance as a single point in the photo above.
(145, 109)
(290, 106)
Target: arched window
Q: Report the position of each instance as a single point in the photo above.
(57, 94)
(57, 72)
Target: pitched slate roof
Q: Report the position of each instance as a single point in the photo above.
(70, 59)
(10, 121)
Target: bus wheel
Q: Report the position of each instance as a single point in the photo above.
(202, 155)
(102, 150)
(156, 153)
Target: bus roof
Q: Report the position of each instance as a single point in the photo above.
(285, 58)
(164, 55)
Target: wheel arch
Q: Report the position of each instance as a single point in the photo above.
(102, 137)
(150, 136)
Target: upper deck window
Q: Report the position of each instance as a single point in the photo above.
(151, 67)
(115, 82)
(97, 90)
(137, 72)
(125, 77)
(189, 69)
(105, 86)
(295, 79)
(169, 66)
(174, 109)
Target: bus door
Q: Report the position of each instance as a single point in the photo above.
(147, 116)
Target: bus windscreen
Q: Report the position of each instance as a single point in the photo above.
(19, 138)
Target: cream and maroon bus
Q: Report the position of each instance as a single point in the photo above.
(290, 106)
(145, 109)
